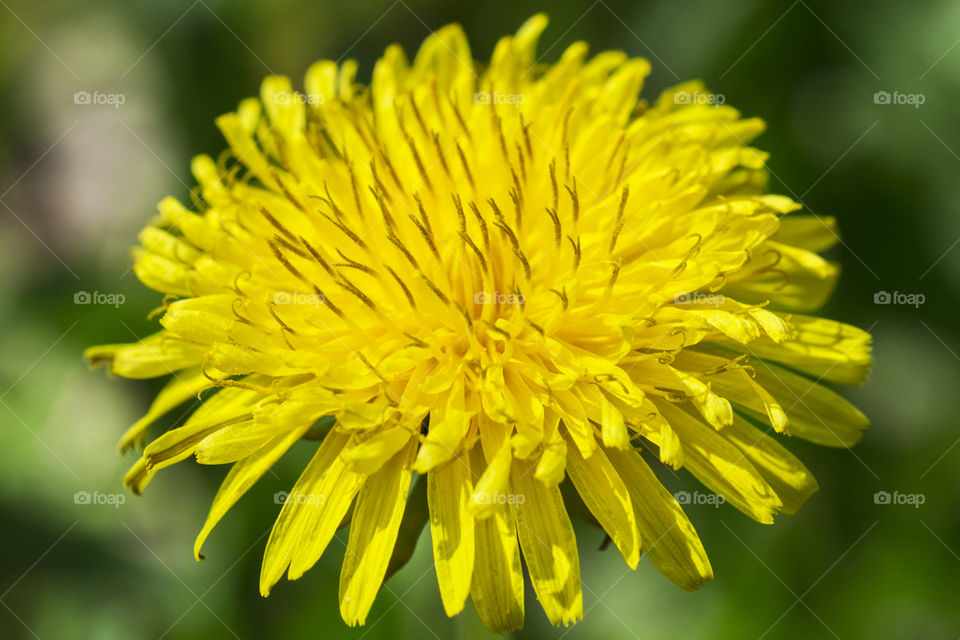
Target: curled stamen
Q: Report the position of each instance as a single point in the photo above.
(403, 249)
(466, 165)
(562, 294)
(459, 116)
(418, 116)
(481, 221)
(536, 327)
(416, 158)
(276, 223)
(574, 201)
(291, 247)
(331, 202)
(557, 229)
(492, 327)
(283, 324)
(384, 210)
(615, 273)
(316, 256)
(525, 128)
(282, 259)
(436, 290)
(360, 295)
(355, 187)
(553, 183)
(667, 357)
(783, 274)
(576, 252)
(385, 157)
(461, 217)
(353, 264)
(441, 155)
(329, 303)
(516, 196)
(603, 378)
(518, 297)
(372, 368)
(246, 275)
(427, 236)
(476, 250)
(466, 315)
(523, 163)
(518, 252)
(722, 277)
(615, 236)
(503, 140)
(233, 307)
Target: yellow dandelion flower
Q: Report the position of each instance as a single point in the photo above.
(498, 278)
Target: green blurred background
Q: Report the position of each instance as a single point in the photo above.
(78, 181)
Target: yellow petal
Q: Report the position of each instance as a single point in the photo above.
(549, 545)
(153, 356)
(235, 441)
(714, 408)
(448, 427)
(320, 80)
(370, 454)
(574, 415)
(285, 536)
(443, 58)
(224, 408)
(813, 233)
(497, 584)
(138, 476)
(326, 504)
(605, 494)
(493, 483)
(791, 480)
(722, 467)
(822, 348)
(182, 387)
(373, 532)
(163, 274)
(553, 461)
(816, 413)
(242, 476)
(449, 488)
(799, 280)
(734, 383)
(669, 540)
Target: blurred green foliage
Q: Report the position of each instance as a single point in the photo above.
(78, 181)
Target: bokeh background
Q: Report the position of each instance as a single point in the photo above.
(79, 180)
